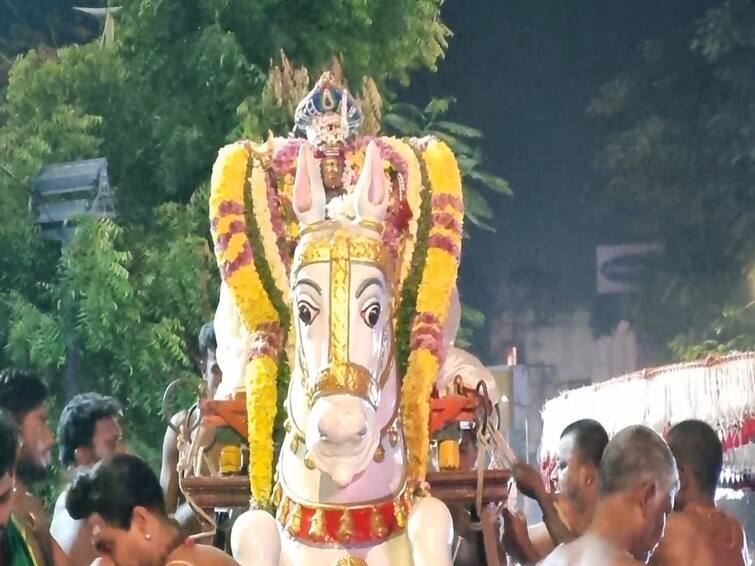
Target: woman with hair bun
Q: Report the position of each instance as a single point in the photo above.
(123, 504)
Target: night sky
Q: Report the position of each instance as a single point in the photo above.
(524, 72)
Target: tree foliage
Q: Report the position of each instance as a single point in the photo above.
(181, 79)
(680, 152)
(409, 120)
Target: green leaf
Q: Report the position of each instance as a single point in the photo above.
(438, 106)
(410, 111)
(458, 129)
(401, 125)
(491, 181)
(467, 164)
(472, 317)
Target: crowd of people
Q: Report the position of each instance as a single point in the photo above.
(632, 499)
(113, 510)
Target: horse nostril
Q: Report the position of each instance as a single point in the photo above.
(322, 431)
(362, 432)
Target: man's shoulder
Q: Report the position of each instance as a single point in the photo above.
(178, 418)
(682, 523)
(680, 539)
(689, 525)
(626, 561)
(207, 556)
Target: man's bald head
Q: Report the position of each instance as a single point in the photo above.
(698, 451)
(634, 456)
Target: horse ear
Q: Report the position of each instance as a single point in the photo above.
(372, 188)
(309, 193)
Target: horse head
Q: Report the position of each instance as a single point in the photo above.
(341, 304)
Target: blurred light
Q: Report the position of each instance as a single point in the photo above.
(511, 356)
(728, 494)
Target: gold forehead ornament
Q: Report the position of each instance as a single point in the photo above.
(344, 245)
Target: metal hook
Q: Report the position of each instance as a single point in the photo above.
(168, 393)
(485, 407)
(481, 420)
(458, 385)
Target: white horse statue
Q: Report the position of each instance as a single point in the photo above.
(342, 495)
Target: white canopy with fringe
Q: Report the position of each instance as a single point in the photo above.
(717, 390)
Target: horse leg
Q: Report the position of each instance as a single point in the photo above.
(431, 531)
(255, 539)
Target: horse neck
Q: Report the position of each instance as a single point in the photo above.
(378, 480)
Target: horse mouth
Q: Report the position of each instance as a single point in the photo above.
(344, 449)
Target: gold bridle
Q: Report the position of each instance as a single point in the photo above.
(341, 248)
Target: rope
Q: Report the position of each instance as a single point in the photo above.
(181, 468)
(491, 442)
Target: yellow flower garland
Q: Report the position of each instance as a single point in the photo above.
(433, 298)
(254, 304)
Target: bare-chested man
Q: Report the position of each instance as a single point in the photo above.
(575, 479)
(698, 533)
(24, 396)
(169, 471)
(89, 430)
(638, 481)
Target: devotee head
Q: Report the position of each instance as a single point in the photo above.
(89, 430)
(699, 457)
(8, 450)
(123, 504)
(23, 395)
(207, 349)
(577, 462)
(638, 474)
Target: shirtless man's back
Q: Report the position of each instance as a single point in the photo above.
(703, 536)
(698, 533)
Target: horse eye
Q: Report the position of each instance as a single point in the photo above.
(371, 315)
(306, 313)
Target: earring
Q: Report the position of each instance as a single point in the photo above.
(147, 536)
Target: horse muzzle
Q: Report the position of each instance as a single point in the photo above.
(341, 435)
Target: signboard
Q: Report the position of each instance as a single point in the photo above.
(618, 266)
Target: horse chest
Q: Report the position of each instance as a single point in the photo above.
(393, 552)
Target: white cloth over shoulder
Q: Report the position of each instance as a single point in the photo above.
(460, 362)
(471, 370)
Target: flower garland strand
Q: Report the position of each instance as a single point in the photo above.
(408, 303)
(236, 262)
(412, 178)
(433, 298)
(265, 217)
(273, 337)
